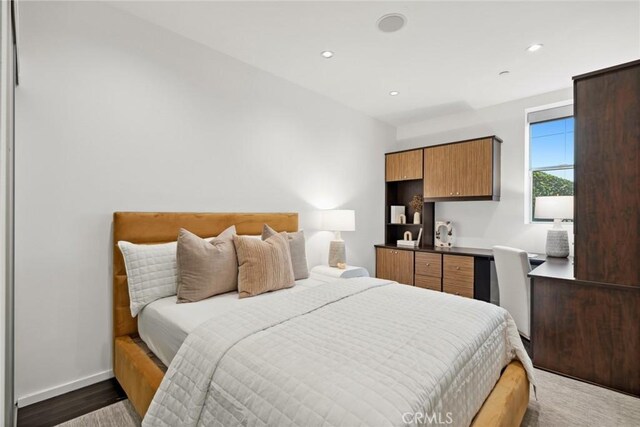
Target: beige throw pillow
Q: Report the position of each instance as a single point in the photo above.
(298, 249)
(263, 265)
(206, 267)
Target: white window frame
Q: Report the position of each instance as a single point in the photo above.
(528, 218)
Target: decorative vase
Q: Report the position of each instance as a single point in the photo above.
(403, 219)
(416, 218)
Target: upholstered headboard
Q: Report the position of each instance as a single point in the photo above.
(154, 227)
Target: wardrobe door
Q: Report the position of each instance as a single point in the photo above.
(474, 162)
(438, 171)
(404, 166)
(607, 175)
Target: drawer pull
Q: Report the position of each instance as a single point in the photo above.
(428, 264)
(458, 293)
(457, 268)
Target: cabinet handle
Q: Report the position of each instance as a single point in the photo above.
(405, 176)
(451, 194)
(457, 268)
(428, 264)
(457, 293)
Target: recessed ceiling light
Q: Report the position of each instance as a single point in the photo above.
(327, 54)
(391, 22)
(535, 47)
(503, 73)
(394, 93)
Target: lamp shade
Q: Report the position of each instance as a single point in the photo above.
(338, 220)
(554, 207)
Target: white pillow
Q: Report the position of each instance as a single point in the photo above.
(152, 272)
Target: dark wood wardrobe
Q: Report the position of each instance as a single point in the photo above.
(607, 175)
(586, 317)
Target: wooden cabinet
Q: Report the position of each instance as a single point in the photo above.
(404, 166)
(461, 271)
(395, 264)
(428, 268)
(457, 275)
(468, 170)
(607, 175)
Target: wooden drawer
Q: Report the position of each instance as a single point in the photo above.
(458, 275)
(428, 264)
(458, 269)
(429, 282)
(464, 289)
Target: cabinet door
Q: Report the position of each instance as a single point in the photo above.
(396, 265)
(404, 166)
(438, 171)
(474, 162)
(462, 169)
(458, 275)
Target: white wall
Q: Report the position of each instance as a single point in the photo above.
(484, 224)
(5, 118)
(117, 114)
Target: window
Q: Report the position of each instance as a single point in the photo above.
(550, 168)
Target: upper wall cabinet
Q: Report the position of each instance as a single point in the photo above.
(404, 166)
(467, 170)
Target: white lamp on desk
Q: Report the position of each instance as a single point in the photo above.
(556, 208)
(338, 220)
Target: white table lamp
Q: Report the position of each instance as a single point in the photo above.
(556, 208)
(338, 220)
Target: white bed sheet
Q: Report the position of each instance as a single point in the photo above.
(164, 325)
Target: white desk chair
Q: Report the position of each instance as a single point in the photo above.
(512, 267)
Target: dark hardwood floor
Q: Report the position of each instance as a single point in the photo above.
(71, 405)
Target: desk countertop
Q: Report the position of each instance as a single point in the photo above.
(554, 268)
(475, 252)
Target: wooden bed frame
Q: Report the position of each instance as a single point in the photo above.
(139, 372)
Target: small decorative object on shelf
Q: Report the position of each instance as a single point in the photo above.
(416, 204)
(403, 219)
(444, 234)
(396, 211)
(408, 240)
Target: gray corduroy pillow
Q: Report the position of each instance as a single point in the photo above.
(298, 250)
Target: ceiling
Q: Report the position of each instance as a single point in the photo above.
(445, 60)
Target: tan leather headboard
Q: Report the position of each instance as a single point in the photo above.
(155, 227)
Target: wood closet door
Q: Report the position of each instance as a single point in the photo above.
(607, 176)
(438, 171)
(396, 265)
(404, 166)
(463, 169)
(474, 171)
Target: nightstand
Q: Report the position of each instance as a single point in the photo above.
(324, 271)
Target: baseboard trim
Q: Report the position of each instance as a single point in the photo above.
(48, 393)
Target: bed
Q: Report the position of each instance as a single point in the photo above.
(140, 369)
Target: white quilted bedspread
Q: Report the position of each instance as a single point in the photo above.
(354, 352)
